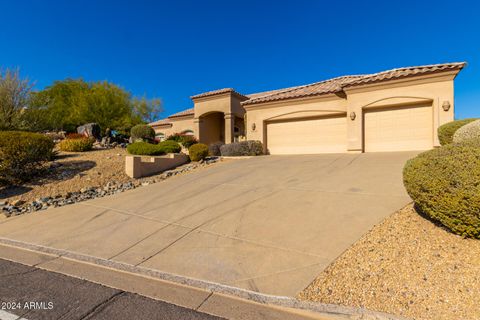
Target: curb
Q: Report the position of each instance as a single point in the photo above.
(322, 310)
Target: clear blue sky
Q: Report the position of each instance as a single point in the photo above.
(174, 49)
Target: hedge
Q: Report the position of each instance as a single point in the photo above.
(145, 149)
(446, 131)
(22, 154)
(142, 132)
(444, 184)
(170, 146)
(469, 131)
(243, 148)
(76, 144)
(198, 152)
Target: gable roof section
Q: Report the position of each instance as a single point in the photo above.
(188, 112)
(216, 92)
(406, 72)
(167, 121)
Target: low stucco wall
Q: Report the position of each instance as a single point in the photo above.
(142, 166)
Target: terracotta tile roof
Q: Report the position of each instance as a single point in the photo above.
(336, 85)
(159, 123)
(406, 72)
(318, 88)
(183, 113)
(167, 120)
(215, 92)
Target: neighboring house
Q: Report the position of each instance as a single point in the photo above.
(394, 110)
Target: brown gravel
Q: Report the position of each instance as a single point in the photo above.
(77, 170)
(406, 266)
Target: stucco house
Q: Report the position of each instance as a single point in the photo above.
(394, 110)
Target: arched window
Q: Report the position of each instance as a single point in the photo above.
(160, 136)
(187, 132)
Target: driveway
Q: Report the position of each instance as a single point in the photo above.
(269, 224)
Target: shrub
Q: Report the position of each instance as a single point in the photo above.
(142, 132)
(214, 149)
(446, 131)
(243, 148)
(177, 137)
(77, 144)
(145, 149)
(444, 184)
(75, 136)
(22, 154)
(469, 131)
(188, 141)
(169, 146)
(198, 152)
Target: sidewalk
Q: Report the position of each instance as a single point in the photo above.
(201, 296)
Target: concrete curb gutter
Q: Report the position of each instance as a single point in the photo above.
(210, 295)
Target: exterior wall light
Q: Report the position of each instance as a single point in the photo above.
(352, 115)
(253, 126)
(446, 106)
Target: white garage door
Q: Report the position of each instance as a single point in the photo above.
(399, 129)
(321, 135)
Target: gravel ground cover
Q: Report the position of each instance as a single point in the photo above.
(407, 266)
(74, 177)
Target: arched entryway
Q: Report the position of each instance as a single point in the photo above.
(213, 128)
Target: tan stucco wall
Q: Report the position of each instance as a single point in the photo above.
(220, 112)
(228, 105)
(141, 166)
(433, 90)
(178, 125)
(316, 107)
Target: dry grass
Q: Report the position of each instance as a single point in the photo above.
(407, 266)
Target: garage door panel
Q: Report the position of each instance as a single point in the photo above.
(321, 135)
(399, 129)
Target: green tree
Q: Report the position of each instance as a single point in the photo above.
(147, 110)
(14, 99)
(69, 103)
(54, 107)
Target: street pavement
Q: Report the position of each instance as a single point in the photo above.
(35, 294)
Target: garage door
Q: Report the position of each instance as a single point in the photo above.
(399, 129)
(309, 136)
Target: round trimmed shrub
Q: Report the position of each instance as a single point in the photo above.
(169, 146)
(22, 154)
(142, 132)
(198, 152)
(469, 131)
(145, 149)
(446, 131)
(76, 145)
(214, 148)
(242, 148)
(444, 183)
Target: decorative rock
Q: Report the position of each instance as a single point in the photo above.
(19, 207)
(17, 203)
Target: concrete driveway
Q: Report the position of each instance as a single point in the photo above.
(269, 224)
